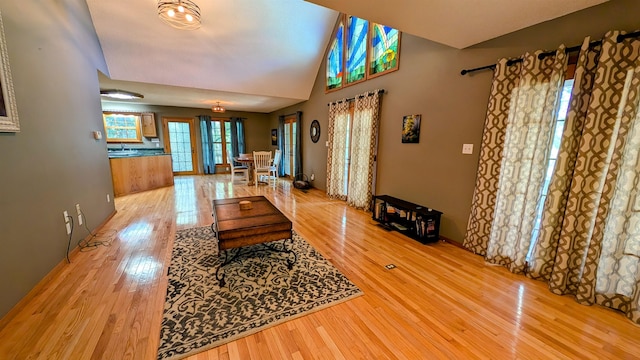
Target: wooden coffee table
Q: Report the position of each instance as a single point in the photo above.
(236, 228)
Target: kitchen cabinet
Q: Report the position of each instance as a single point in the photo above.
(149, 125)
(140, 173)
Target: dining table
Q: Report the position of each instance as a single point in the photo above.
(248, 162)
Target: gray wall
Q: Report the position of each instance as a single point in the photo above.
(434, 172)
(53, 162)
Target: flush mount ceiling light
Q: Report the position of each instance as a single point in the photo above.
(120, 94)
(217, 108)
(181, 14)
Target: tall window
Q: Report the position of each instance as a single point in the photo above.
(360, 50)
(553, 156)
(221, 139)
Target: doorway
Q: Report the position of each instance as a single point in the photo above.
(179, 141)
(289, 156)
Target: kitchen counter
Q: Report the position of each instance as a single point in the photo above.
(132, 173)
(112, 153)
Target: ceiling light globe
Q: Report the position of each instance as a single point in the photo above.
(180, 14)
(120, 94)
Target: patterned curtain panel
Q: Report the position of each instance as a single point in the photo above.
(505, 79)
(619, 265)
(589, 241)
(532, 115)
(337, 153)
(543, 258)
(363, 145)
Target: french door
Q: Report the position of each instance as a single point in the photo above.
(289, 156)
(179, 141)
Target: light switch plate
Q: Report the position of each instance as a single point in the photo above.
(467, 148)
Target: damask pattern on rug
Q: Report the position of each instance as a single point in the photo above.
(260, 291)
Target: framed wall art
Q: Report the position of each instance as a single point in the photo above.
(411, 129)
(274, 136)
(8, 109)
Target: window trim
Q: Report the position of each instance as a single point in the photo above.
(138, 119)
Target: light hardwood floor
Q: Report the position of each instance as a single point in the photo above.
(441, 302)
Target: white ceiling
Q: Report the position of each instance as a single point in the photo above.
(263, 55)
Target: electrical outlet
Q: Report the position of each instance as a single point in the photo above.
(108, 198)
(79, 214)
(67, 222)
(313, 177)
(467, 149)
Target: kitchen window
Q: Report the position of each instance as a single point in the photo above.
(122, 127)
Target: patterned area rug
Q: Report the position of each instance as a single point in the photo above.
(260, 292)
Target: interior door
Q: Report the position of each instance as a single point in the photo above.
(179, 141)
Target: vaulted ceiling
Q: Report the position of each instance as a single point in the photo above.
(263, 55)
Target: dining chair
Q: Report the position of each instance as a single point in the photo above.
(237, 169)
(261, 164)
(273, 169)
